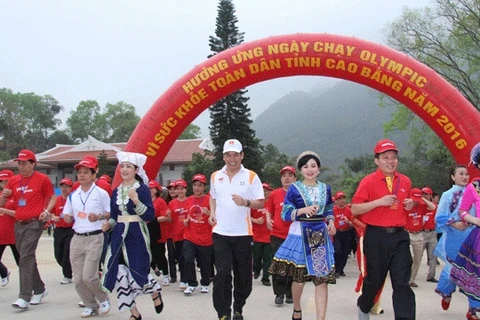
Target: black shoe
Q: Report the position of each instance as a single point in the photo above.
(342, 274)
(256, 275)
(158, 308)
(224, 318)
(279, 299)
(237, 315)
(157, 273)
(432, 280)
(297, 311)
(289, 300)
(337, 275)
(266, 283)
(173, 280)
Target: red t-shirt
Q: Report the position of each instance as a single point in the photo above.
(198, 230)
(161, 207)
(274, 205)
(373, 187)
(414, 220)
(260, 231)
(429, 219)
(7, 224)
(57, 210)
(341, 215)
(30, 195)
(179, 210)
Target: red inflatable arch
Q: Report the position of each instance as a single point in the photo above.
(401, 77)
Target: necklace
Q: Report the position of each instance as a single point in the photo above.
(122, 196)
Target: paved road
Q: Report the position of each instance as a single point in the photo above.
(61, 302)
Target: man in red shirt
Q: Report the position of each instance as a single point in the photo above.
(63, 233)
(343, 238)
(282, 286)
(262, 250)
(380, 202)
(34, 198)
(198, 237)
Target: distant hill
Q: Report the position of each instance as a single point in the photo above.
(345, 121)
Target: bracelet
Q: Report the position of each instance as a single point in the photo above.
(101, 216)
(248, 203)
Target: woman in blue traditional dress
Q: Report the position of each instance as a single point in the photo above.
(454, 231)
(128, 257)
(466, 266)
(307, 252)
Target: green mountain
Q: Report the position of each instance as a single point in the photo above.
(346, 121)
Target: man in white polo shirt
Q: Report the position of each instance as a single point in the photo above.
(87, 206)
(233, 191)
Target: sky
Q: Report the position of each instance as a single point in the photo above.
(134, 50)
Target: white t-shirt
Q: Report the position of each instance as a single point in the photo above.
(80, 204)
(233, 220)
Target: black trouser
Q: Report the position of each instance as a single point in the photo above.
(262, 258)
(16, 256)
(231, 253)
(61, 249)
(342, 243)
(388, 252)
(281, 285)
(159, 260)
(203, 254)
(175, 255)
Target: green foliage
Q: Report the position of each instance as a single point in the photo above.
(191, 132)
(115, 124)
(230, 116)
(274, 162)
(444, 37)
(26, 121)
(104, 165)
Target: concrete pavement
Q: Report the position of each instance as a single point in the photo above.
(61, 302)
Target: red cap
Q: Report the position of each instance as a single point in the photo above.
(25, 155)
(92, 159)
(86, 162)
(6, 174)
(339, 195)
(416, 195)
(181, 183)
(66, 181)
(154, 184)
(267, 186)
(290, 169)
(105, 177)
(171, 185)
(199, 177)
(427, 190)
(385, 145)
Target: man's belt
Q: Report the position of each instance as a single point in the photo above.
(428, 230)
(386, 229)
(26, 221)
(91, 233)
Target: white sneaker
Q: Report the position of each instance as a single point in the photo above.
(88, 312)
(189, 290)
(104, 307)
(183, 285)
(6, 279)
(166, 281)
(20, 304)
(81, 304)
(204, 289)
(66, 280)
(37, 298)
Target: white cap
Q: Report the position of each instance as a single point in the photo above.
(137, 159)
(232, 145)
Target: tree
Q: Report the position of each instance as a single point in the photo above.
(59, 137)
(230, 116)
(120, 121)
(86, 120)
(191, 132)
(447, 39)
(274, 162)
(26, 121)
